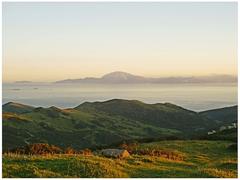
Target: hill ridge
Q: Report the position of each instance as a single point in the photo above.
(103, 123)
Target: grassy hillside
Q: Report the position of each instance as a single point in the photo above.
(227, 134)
(16, 108)
(161, 115)
(99, 123)
(223, 116)
(200, 159)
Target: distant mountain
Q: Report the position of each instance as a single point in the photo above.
(94, 124)
(114, 77)
(123, 77)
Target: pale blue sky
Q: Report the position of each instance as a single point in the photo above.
(52, 41)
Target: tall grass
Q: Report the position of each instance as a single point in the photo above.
(200, 159)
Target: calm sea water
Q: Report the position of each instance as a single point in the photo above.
(191, 96)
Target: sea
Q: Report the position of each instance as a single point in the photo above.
(196, 97)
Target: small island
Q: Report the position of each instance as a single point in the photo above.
(21, 82)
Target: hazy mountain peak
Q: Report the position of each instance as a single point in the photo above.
(121, 77)
(119, 74)
(124, 77)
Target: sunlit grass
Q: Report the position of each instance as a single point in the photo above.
(201, 159)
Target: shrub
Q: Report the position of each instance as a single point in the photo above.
(39, 148)
(134, 148)
(174, 155)
(43, 149)
(70, 150)
(86, 152)
(131, 148)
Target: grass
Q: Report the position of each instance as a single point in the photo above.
(96, 124)
(201, 159)
(60, 166)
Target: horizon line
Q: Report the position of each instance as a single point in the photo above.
(165, 76)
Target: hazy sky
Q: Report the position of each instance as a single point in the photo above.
(54, 41)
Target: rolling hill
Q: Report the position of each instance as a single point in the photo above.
(224, 116)
(12, 107)
(227, 134)
(103, 123)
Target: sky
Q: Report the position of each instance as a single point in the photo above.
(54, 41)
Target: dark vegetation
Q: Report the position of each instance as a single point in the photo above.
(227, 135)
(110, 123)
(39, 149)
(133, 148)
(46, 149)
(223, 116)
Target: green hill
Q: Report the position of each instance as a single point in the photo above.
(100, 123)
(227, 134)
(223, 116)
(161, 115)
(16, 108)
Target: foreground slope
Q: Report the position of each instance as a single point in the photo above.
(201, 159)
(97, 124)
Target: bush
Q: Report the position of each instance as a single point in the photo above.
(129, 147)
(86, 152)
(39, 148)
(233, 147)
(70, 150)
(161, 153)
(134, 148)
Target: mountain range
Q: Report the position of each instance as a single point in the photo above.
(123, 77)
(93, 124)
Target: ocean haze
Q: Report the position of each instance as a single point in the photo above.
(194, 96)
